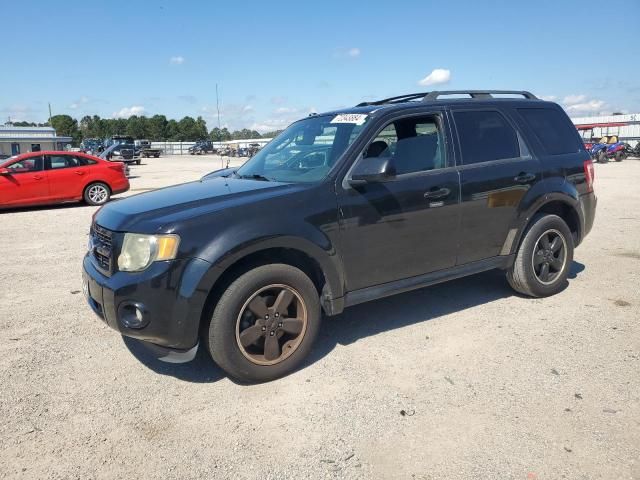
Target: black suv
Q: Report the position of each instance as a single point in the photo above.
(342, 208)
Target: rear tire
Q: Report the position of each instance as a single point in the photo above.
(543, 259)
(620, 156)
(234, 320)
(138, 162)
(96, 194)
(602, 157)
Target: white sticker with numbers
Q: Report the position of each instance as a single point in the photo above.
(357, 118)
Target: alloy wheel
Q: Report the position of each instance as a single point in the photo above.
(271, 324)
(549, 256)
(98, 193)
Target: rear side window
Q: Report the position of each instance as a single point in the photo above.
(553, 129)
(82, 161)
(485, 136)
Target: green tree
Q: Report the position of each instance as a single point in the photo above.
(66, 126)
(157, 127)
(173, 131)
(136, 127)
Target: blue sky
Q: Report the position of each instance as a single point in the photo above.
(277, 61)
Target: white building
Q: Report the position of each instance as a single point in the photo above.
(16, 140)
(625, 127)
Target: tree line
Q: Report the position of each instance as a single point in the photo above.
(156, 128)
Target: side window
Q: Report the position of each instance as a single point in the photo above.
(31, 164)
(485, 136)
(83, 162)
(554, 130)
(414, 145)
(62, 161)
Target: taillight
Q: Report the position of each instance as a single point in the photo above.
(589, 174)
(118, 167)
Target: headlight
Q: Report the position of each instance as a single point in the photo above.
(139, 251)
(116, 152)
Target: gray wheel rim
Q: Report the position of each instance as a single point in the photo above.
(549, 256)
(98, 193)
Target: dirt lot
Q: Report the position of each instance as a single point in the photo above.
(461, 380)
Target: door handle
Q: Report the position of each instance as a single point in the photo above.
(79, 172)
(525, 177)
(437, 193)
(37, 177)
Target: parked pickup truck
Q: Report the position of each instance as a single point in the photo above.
(149, 152)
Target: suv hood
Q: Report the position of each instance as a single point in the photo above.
(161, 209)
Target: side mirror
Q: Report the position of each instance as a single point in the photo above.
(5, 171)
(372, 170)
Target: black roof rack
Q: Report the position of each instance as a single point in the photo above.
(430, 96)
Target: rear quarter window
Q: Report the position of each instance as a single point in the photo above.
(485, 136)
(552, 128)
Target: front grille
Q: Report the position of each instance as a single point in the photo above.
(102, 245)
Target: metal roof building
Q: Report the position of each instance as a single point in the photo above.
(625, 127)
(16, 140)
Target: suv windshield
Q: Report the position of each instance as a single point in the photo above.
(306, 151)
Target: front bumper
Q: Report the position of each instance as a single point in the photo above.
(167, 294)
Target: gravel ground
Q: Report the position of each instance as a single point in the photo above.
(460, 380)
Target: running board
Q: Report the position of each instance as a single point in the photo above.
(420, 281)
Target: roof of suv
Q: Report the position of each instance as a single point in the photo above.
(440, 98)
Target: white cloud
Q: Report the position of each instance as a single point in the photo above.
(574, 99)
(351, 52)
(436, 77)
(127, 112)
(177, 60)
(78, 103)
(549, 98)
(285, 110)
(581, 104)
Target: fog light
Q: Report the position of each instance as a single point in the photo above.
(133, 315)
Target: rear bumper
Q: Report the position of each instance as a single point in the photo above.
(588, 203)
(166, 293)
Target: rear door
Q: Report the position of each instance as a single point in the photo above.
(66, 176)
(496, 171)
(26, 183)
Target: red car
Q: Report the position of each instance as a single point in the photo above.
(54, 177)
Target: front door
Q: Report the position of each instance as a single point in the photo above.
(496, 172)
(25, 183)
(406, 226)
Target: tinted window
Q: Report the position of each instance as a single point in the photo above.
(31, 164)
(62, 161)
(85, 161)
(553, 129)
(485, 136)
(415, 145)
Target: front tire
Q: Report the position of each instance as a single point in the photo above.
(96, 194)
(620, 156)
(265, 323)
(543, 259)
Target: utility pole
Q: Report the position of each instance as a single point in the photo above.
(49, 113)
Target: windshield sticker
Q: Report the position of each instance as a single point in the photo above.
(357, 118)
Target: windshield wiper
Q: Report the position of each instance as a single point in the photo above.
(254, 176)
